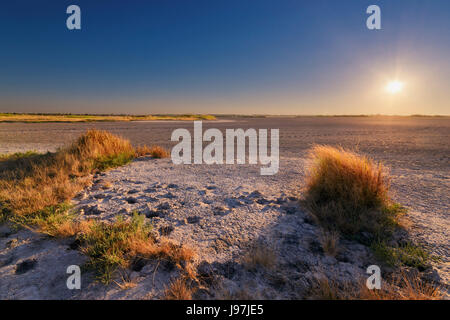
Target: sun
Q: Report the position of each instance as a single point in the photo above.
(394, 87)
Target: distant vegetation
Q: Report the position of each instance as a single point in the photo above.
(42, 117)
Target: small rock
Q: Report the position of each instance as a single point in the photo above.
(26, 266)
(164, 206)
(131, 200)
(82, 195)
(262, 201)
(166, 230)
(133, 191)
(125, 211)
(255, 194)
(92, 210)
(169, 195)
(193, 219)
(221, 210)
(211, 187)
(172, 186)
(152, 213)
(151, 199)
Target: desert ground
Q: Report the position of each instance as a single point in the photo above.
(227, 213)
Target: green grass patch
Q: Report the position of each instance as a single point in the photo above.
(113, 161)
(108, 245)
(407, 254)
(17, 155)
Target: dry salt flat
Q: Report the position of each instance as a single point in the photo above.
(223, 212)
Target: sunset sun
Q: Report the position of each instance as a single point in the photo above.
(394, 87)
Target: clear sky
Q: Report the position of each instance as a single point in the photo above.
(225, 56)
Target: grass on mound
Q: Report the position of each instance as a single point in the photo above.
(406, 254)
(54, 221)
(31, 183)
(111, 246)
(156, 152)
(402, 286)
(17, 155)
(347, 194)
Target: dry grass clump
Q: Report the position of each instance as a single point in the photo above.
(347, 192)
(179, 289)
(126, 282)
(328, 289)
(330, 242)
(401, 287)
(31, 183)
(153, 151)
(111, 246)
(260, 255)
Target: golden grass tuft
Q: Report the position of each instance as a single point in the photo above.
(156, 152)
(260, 255)
(330, 242)
(402, 287)
(347, 192)
(111, 246)
(179, 289)
(29, 184)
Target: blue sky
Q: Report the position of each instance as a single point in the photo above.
(211, 56)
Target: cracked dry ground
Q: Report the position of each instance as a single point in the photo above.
(223, 212)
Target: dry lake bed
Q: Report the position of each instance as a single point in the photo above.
(223, 210)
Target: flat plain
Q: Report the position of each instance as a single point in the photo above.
(225, 210)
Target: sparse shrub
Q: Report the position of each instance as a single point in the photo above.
(31, 183)
(401, 287)
(324, 288)
(156, 152)
(111, 246)
(348, 193)
(179, 289)
(54, 221)
(260, 255)
(406, 254)
(108, 244)
(330, 241)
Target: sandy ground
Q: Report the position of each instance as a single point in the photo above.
(225, 211)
